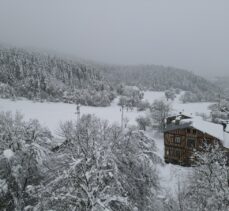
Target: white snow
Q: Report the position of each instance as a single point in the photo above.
(8, 153)
(171, 176)
(151, 96)
(189, 109)
(215, 130)
(226, 140)
(227, 128)
(51, 114)
(192, 109)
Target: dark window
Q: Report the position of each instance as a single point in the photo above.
(194, 131)
(191, 143)
(177, 140)
(188, 130)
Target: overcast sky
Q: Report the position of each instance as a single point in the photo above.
(191, 34)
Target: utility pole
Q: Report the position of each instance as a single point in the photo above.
(39, 88)
(122, 116)
(78, 112)
(219, 102)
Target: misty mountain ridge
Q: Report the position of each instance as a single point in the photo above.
(161, 78)
(35, 75)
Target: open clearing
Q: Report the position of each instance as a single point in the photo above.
(51, 114)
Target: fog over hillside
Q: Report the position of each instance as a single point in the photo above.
(189, 35)
(45, 76)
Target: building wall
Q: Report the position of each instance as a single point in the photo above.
(180, 143)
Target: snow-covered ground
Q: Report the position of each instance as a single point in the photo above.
(171, 176)
(151, 96)
(177, 106)
(51, 114)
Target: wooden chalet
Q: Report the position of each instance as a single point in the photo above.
(184, 133)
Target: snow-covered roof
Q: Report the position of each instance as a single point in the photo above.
(225, 141)
(215, 130)
(186, 114)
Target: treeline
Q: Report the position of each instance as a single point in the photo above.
(39, 76)
(160, 78)
(43, 77)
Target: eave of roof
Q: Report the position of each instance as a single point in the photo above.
(214, 130)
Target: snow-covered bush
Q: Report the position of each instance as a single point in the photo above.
(220, 111)
(89, 97)
(208, 184)
(6, 91)
(170, 94)
(23, 150)
(100, 167)
(159, 111)
(190, 97)
(130, 96)
(143, 122)
(143, 105)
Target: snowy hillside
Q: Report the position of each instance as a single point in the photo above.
(39, 76)
(160, 78)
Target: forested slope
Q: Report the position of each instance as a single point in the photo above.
(39, 76)
(160, 78)
(43, 77)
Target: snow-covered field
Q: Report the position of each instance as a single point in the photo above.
(51, 114)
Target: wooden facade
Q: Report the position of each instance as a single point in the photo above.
(180, 142)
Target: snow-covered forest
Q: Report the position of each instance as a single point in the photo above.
(160, 78)
(39, 76)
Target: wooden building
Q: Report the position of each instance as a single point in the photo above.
(183, 134)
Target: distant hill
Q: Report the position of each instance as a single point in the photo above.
(43, 77)
(160, 78)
